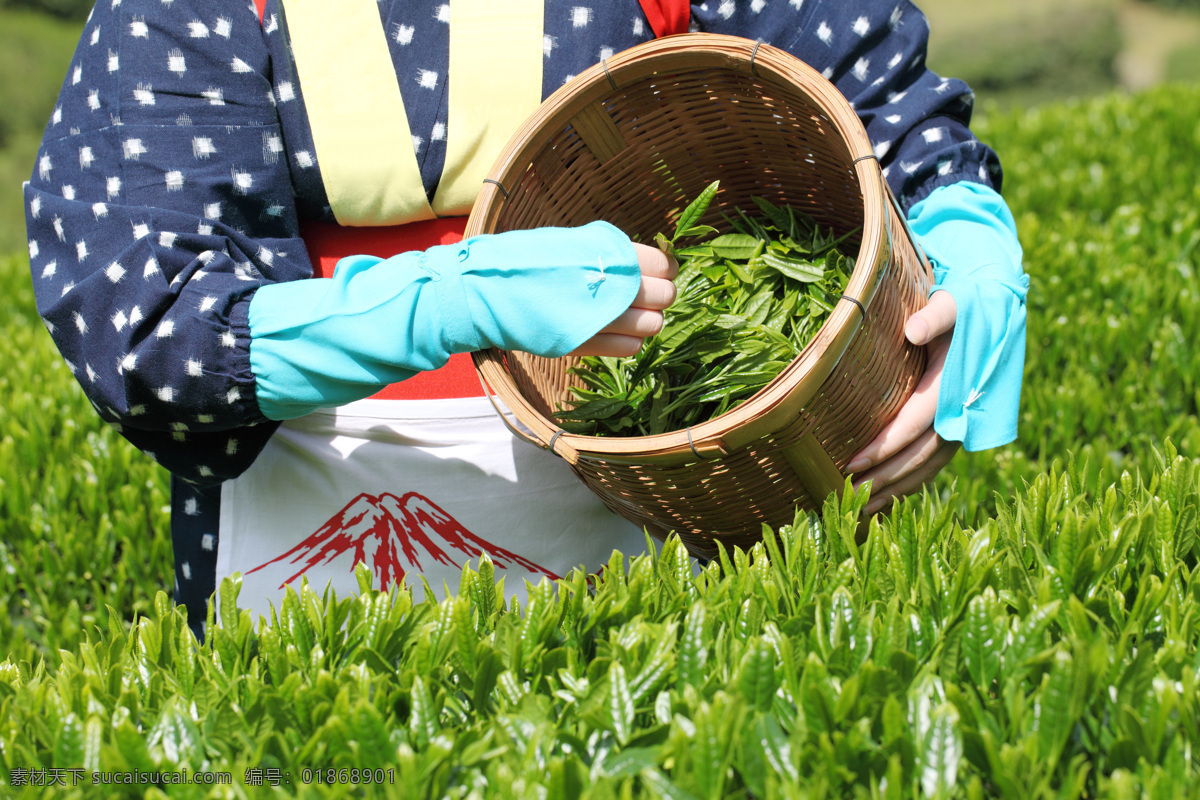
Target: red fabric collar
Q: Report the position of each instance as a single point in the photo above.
(667, 17)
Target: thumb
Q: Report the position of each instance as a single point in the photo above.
(936, 318)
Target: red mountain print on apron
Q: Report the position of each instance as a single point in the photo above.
(392, 534)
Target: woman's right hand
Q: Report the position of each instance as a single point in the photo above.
(625, 335)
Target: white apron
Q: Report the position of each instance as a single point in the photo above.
(414, 488)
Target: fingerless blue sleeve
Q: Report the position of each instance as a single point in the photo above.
(329, 341)
(970, 238)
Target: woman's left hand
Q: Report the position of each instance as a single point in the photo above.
(908, 453)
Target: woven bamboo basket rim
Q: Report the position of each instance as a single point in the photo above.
(798, 383)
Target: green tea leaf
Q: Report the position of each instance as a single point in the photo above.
(698, 230)
(600, 408)
(735, 246)
(941, 752)
(620, 704)
(779, 217)
(695, 210)
(756, 676)
(794, 268)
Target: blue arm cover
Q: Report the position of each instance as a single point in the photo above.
(970, 237)
(329, 341)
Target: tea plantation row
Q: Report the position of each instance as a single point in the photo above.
(1029, 629)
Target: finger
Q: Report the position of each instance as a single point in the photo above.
(638, 322)
(914, 480)
(936, 318)
(616, 345)
(903, 463)
(654, 293)
(914, 418)
(655, 263)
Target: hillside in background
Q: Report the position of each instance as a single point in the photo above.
(1025, 52)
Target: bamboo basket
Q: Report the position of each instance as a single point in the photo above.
(632, 141)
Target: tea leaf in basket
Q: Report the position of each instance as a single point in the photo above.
(757, 307)
(695, 251)
(781, 218)
(795, 268)
(597, 408)
(748, 301)
(736, 246)
(695, 210)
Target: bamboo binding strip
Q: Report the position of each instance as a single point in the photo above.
(632, 141)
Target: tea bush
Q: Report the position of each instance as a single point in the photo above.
(1026, 629)
(1049, 653)
(83, 516)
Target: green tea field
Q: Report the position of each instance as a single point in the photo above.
(1027, 628)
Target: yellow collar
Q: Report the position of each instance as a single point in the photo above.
(359, 126)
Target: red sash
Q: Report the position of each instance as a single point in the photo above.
(328, 243)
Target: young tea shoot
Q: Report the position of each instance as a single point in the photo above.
(749, 301)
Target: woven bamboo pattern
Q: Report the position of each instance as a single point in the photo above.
(632, 141)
